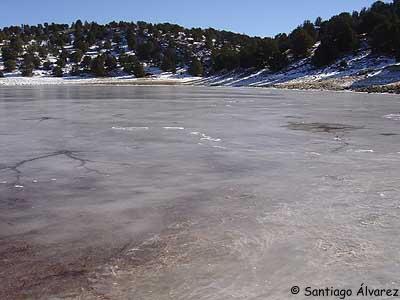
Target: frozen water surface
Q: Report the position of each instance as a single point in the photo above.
(99, 201)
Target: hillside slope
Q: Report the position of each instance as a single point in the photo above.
(363, 71)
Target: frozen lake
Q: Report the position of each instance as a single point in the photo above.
(182, 192)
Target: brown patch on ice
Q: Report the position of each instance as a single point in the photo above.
(321, 127)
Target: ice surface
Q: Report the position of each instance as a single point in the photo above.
(283, 190)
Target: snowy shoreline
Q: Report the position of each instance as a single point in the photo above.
(33, 81)
(196, 81)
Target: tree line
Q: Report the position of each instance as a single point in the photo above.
(104, 50)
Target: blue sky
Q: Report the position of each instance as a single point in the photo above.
(256, 17)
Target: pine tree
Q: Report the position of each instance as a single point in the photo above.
(16, 44)
(27, 71)
(278, 61)
(145, 50)
(309, 27)
(76, 56)
(9, 53)
(248, 55)
(283, 42)
(61, 62)
(131, 65)
(110, 62)
(131, 40)
(107, 45)
(97, 66)
(196, 67)
(225, 59)
(339, 29)
(326, 53)
(337, 37)
(301, 42)
(75, 70)
(86, 63)
(169, 63)
(318, 22)
(138, 70)
(81, 45)
(117, 38)
(78, 26)
(47, 65)
(27, 66)
(10, 65)
(57, 71)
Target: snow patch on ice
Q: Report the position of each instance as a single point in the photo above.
(205, 137)
(314, 153)
(209, 138)
(174, 128)
(129, 128)
(364, 151)
(220, 147)
(395, 117)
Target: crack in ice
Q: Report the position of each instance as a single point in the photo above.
(69, 154)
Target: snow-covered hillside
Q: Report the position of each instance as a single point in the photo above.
(116, 50)
(145, 53)
(360, 71)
